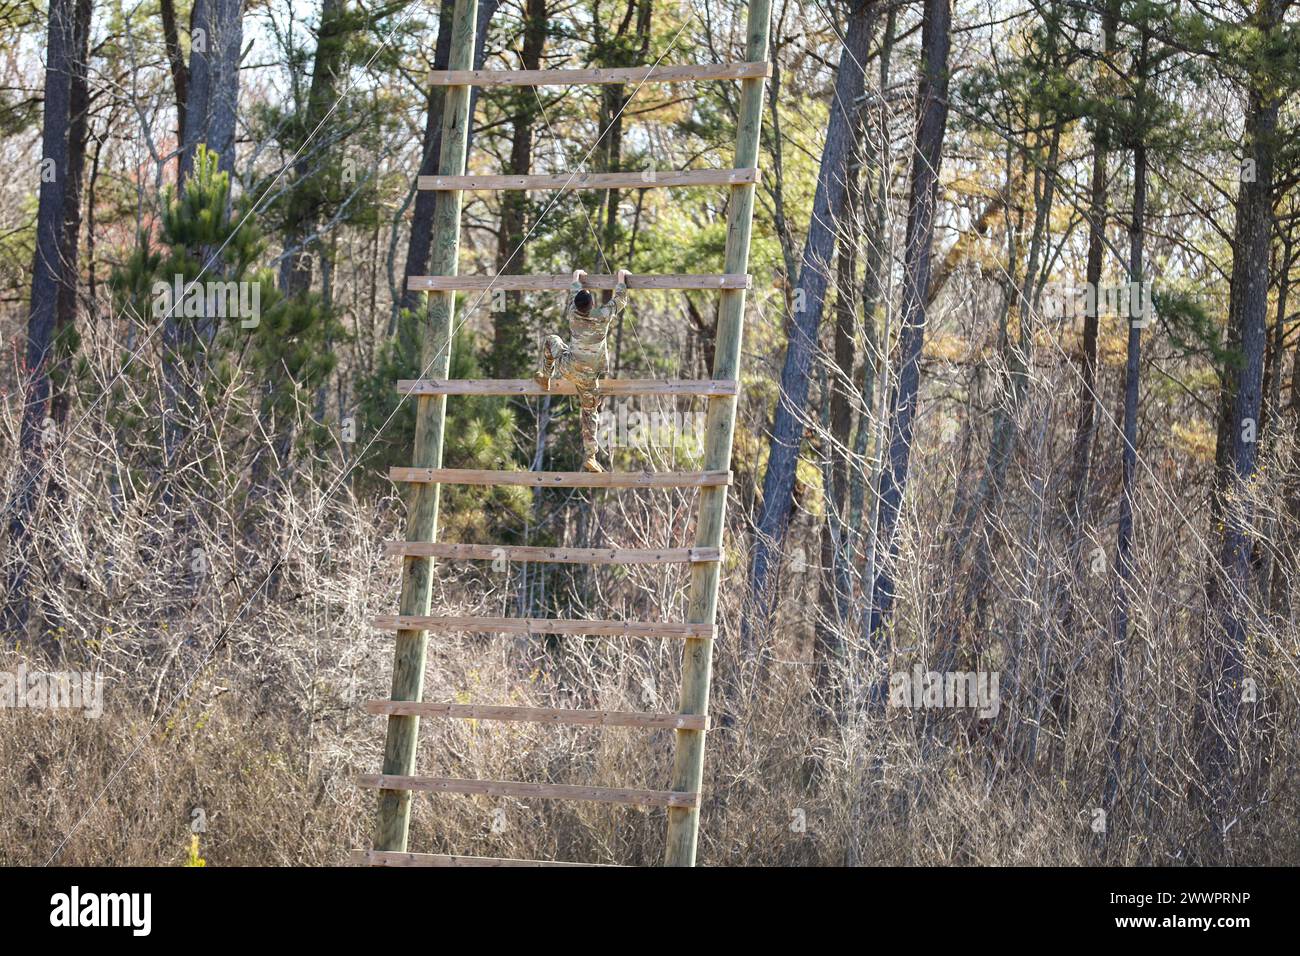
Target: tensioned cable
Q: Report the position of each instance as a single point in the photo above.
(342, 477)
(215, 257)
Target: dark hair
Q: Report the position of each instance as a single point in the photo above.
(582, 301)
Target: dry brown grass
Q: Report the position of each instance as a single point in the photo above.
(240, 694)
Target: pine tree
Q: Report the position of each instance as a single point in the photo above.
(207, 249)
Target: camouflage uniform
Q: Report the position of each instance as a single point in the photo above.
(583, 359)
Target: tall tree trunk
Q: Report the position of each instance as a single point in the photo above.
(420, 241)
(307, 195)
(1289, 565)
(47, 279)
(78, 135)
(1085, 429)
(1123, 575)
(614, 99)
(874, 347)
(775, 139)
(1219, 751)
(212, 97)
(932, 122)
(1279, 572)
(175, 60)
(1024, 306)
(511, 346)
(829, 674)
(805, 322)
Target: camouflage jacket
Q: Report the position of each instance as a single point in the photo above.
(588, 333)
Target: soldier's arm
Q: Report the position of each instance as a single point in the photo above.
(616, 303)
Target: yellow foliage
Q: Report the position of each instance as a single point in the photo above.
(946, 347)
(1112, 347)
(809, 476)
(1197, 438)
(193, 858)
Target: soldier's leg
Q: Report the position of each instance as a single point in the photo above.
(588, 405)
(554, 352)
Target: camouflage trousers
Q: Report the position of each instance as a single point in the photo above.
(557, 362)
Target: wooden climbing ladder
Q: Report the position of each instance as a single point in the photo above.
(399, 780)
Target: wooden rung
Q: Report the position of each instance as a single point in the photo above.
(559, 283)
(563, 479)
(393, 858)
(646, 179)
(631, 74)
(541, 625)
(494, 552)
(538, 715)
(548, 791)
(559, 386)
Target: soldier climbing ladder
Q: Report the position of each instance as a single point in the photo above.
(398, 781)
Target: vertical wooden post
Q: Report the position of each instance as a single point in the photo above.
(697, 661)
(431, 412)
